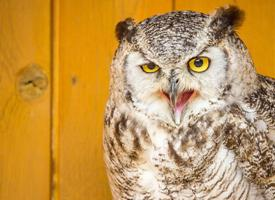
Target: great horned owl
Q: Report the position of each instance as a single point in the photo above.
(188, 117)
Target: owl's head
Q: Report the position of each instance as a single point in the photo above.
(181, 62)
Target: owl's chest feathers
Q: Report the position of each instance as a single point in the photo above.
(222, 179)
(184, 163)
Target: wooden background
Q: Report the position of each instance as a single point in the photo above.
(54, 70)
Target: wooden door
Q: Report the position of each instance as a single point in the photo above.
(54, 71)
(25, 89)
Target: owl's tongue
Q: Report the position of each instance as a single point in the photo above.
(179, 105)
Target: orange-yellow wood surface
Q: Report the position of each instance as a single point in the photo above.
(68, 121)
(24, 124)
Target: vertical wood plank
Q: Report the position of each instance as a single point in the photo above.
(54, 182)
(87, 43)
(257, 31)
(25, 115)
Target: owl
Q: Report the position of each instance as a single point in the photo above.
(188, 117)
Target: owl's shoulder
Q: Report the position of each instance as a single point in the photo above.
(252, 147)
(262, 100)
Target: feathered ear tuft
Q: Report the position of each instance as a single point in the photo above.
(124, 29)
(226, 19)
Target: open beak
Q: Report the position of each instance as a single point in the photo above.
(178, 100)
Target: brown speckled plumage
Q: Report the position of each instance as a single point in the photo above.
(222, 146)
(263, 100)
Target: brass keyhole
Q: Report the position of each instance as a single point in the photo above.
(32, 82)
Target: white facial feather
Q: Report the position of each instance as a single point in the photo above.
(213, 79)
(144, 87)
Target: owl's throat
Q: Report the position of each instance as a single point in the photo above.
(178, 102)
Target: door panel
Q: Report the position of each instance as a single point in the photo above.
(25, 100)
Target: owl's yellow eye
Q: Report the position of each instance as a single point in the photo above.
(150, 68)
(199, 64)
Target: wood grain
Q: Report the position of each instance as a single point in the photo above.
(257, 31)
(87, 43)
(24, 122)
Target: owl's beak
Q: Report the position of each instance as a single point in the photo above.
(178, 99)
(173, 92)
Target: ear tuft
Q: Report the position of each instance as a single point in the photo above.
(227, 18)
(123, 28)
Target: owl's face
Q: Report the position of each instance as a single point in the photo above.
(167, 90)
(180, 63)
